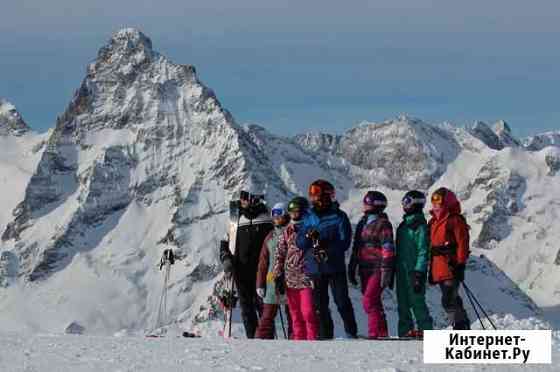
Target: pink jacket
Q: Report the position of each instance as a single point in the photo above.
(289, 260)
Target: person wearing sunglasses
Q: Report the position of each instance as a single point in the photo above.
(413, 241)
(266, 289)
(325, 239)
(292, 277)
(253, 225)
(449, 238)
(373, 253)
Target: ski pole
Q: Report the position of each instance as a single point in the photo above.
(231, 307)
(480, 306)
(282, 321)
(474, 308)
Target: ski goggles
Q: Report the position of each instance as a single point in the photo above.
(437, 199)
(277, 212)
(315, 190)
(374, 202)
(409, 202)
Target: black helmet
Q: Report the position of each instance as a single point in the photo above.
(414, 201)
(377, 200)
(298, 203)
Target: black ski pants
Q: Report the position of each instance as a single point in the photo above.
(338, 284)
(453, 305)
(245, 282)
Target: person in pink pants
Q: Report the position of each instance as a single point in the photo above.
(302, 310)
(290, 276)
(373, 255)
(373, 307)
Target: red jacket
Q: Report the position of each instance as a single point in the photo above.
(449, 238)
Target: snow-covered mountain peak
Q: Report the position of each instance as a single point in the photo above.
(402, 120)
(501, 126)
(401, 152)
(487, 135)
(148, 130)
(504, 133)
(540, 141)
(130, 85)
(130, 38)
(11, 121)
(6, 106)
(127, 46)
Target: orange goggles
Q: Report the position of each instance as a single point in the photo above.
(315, 190)
(437, 199)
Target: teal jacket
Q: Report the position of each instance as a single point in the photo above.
(265, 277)
(413, 244)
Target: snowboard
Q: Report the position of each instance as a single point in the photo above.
(232, 238)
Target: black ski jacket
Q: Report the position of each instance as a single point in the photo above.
(254, 225)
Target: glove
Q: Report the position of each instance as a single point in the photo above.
(313, 234)
(261, 292)
(320, 252)
(386, 278)
(226, 257)
(352, 266)
(280, 284)
(459, 272)
(418, 280)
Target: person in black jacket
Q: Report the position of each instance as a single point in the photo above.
(253, 226)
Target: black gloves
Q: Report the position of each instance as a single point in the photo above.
(418, 280)
(459, 272)
(280, 284)
(224, 250)
(313, 234)
(319, 247)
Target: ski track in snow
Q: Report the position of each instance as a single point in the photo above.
(120, 354)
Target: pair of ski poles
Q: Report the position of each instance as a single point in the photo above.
(167, 259)
(474, 303)
(229, 313)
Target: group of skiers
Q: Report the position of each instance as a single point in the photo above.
(299, 250)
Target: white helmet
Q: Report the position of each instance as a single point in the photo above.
(279, 210)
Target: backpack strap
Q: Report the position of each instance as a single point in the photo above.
(451, 248)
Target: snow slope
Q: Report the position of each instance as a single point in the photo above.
(20, 151)
(81, 354)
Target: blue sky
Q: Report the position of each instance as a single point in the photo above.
(293, 66)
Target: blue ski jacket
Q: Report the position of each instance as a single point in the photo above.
(335, 232)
